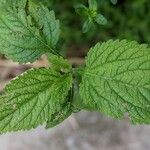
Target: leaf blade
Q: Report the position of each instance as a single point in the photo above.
(34, 99)
(20, 35)
(58, 63)
(46, 19)
(116, 80)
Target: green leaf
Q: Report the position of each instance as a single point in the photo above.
(100, 19)
(46, 20)
(22, 37)
(88, 24)
(81, 10)
(116, 80)
(60, 116)
(93, 5)
(114, 1)
(58, 63)
(34, 98)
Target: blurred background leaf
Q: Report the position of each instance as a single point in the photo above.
(88, 25)
(100, 19)
(92, 4)
(114, 1)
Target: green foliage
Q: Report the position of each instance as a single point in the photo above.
(93, 5)
(39, 96)
(91, 15)
(46, 20)
(59, 64)
(81, 10)
(27, 30)
(116, 80)
(100, 19)
(88, 25)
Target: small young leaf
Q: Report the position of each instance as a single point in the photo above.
(34, 98)
(92, 5)
(116, 80)
(88, 24)
(100, 19)
(23, 38)
(81, 10)
(58, 63)
(114, 1)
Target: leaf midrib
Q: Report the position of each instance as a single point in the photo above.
(118, 60)
(30, 30)
(88, 74)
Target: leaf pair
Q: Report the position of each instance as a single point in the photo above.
(27, 30)
(115, 81)
(91, 14)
